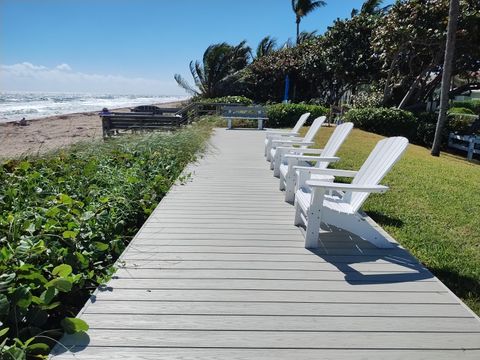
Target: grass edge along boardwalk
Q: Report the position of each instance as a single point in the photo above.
(218, 271)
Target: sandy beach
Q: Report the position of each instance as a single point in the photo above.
(50, 133)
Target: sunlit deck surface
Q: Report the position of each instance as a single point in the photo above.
(219, 271)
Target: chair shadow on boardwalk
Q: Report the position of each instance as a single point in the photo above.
(344, 250)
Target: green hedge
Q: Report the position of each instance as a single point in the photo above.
(226, 100)
(419, 128)
(460, 110)
(286, 115)
(384, 121)
(473, 105)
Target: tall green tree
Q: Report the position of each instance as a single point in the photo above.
(302, 8)
(410, 42)
(216, 73)
(446, 74)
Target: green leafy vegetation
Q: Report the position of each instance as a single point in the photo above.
(460, 110)
(225, 100)
(397, 50)
(384, 121)
(429, 209)
(64, 220)
(418, 128)
(473, 105)
(286, 115)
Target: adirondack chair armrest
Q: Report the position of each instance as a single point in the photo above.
(333, 172)
(347, 187)
(292, 142)
(301, 151)
(282, 133)
(312, 158)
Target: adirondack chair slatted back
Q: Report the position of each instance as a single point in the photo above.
(300, 122)
(333, 144)
(382, 158)
(317, 123)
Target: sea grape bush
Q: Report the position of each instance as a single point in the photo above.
(64, 220)
(242, 100)
(286, 115)
(473, 105)
(383, 121)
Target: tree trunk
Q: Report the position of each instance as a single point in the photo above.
(387, 91)
(298, 30)
(412, 89)
(446, 75)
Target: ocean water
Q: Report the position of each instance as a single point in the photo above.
(16, 105)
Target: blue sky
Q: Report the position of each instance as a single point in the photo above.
(133, 46)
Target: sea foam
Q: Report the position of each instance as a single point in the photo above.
(30, 105)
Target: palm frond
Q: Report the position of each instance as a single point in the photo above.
(185, 85)
(266, 46)
(306, 36)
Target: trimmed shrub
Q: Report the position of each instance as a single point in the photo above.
(226, 100)
(286, 115)
(473, 105)
(384, 121)
(460, 110)
(419, 128)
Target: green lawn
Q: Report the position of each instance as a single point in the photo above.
(432, 209)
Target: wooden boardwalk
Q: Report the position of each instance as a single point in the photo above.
(219, 272)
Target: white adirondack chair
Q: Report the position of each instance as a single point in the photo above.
(281, 146)
(278, 134)
(313, 206)
(288, 174)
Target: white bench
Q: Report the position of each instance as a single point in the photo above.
(468, 143)
(256, 113)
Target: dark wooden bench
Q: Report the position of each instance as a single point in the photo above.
(255, 113)
(152, 109)
(113, 122)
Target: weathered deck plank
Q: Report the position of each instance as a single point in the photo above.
(219, 272)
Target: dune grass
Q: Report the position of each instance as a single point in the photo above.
(65, 217)
(432, 209)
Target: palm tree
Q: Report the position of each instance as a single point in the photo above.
(371, 7)
(220, 63)
(302, 8)
(306, 36)
(446, 74)
(266, 46)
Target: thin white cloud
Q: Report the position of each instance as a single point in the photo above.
(62, 78)
(64, 67)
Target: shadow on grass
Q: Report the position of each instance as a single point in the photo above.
(464, 286)
(383, 219)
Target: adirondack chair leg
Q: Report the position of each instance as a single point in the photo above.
(290, 188)
(298, 215)
(314, 219)
(356, 224)
(282, 182)
(272, 161)
(290, 181)
(277, 162)
(267, 149)
(302, 177)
